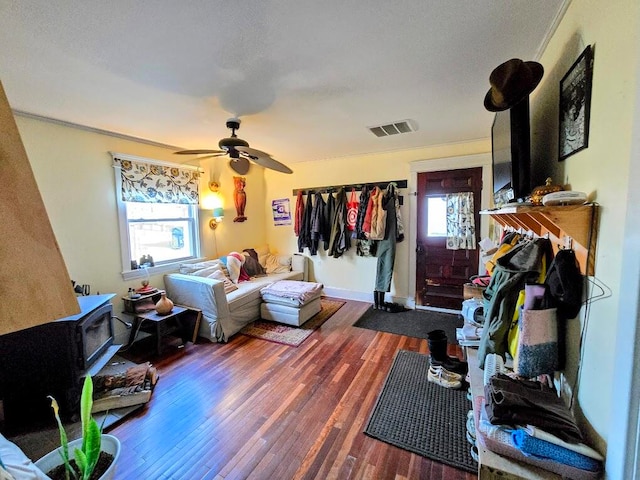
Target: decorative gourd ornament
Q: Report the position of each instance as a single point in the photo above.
(164, 305)
(539, 192)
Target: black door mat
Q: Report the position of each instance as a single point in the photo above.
(411, 323)
(420, 416)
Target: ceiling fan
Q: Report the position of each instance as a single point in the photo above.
(240, 152)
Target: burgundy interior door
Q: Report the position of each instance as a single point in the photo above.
(440, 273)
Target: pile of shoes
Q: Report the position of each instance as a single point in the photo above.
(380, 304)
(444, 370)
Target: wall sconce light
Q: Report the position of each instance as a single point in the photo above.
(218, 215)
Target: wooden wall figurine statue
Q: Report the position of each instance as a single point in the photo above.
(240, 198)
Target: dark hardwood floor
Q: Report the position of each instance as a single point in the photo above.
(256, 409)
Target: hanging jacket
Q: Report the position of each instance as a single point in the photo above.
(329, 216)
(362, 210)
(372, 220)
(317, 223)
(391, 192)
(364, 246)
(518, 266)
(304, 239)
(366, 224)
(299, 213)
(340, 240)
(378, 216)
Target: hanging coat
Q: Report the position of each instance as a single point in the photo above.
(362, 211)
(387, 245)
(370, 216)
(299, 214)
(520, 265)
(378, 215)
(364, 246)
(318, 221)
(329, 216)
(304, 239)
(340, 240)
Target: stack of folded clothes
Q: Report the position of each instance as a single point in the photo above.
(526, 402)
(526, 420)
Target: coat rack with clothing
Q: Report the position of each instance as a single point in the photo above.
(372, 221)
(352, 186)
(566, 226)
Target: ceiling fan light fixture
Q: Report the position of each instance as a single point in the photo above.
(240, 153)
(232, 142)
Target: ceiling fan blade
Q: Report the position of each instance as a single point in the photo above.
(264, 159)
(199, 152)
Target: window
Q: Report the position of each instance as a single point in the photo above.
(158, 213)
(163, 230)
(437, 216)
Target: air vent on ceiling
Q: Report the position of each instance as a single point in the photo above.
(402, 126)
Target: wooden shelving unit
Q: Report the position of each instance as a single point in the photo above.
(569, 226)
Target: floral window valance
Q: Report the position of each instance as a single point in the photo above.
(154, 183)
(461, 228)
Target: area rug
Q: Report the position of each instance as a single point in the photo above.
(420, 416)
(412, 323)
(288, 335)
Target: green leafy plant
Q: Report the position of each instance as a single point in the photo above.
(87, 457)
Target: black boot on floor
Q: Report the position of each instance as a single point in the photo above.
(437, 340)
(378, 300)
(382, 305)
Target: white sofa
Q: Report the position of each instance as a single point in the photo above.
(224, 315)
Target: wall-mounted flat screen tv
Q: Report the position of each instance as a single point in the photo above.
(511, 154)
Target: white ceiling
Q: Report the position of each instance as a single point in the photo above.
(306, 77)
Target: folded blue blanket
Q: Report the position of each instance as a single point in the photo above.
(536, 447)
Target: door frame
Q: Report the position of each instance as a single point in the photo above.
(482, 160)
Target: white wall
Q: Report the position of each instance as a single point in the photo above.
(601, 171)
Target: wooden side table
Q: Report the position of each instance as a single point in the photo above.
(184, 320)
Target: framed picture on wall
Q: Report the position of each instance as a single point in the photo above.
(575, 105)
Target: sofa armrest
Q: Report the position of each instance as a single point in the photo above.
(299, 263)
(17, 463)
(205, 294)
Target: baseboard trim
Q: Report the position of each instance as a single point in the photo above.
(364, 296)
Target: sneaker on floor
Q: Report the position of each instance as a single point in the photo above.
(471, 430)
(493, 364)
(444, 378)
(474, 453)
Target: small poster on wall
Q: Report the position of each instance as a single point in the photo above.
(281, 211)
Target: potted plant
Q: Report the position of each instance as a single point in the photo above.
(95, 454)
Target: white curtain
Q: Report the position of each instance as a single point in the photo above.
(461, 228)
(151, 183)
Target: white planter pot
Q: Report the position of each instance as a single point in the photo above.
(110, 445)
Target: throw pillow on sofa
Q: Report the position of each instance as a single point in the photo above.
(278, 263)
(262, 252)
(235, 261)
(189, 268)
(251, 264)
(229, 286)
(206, 272)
